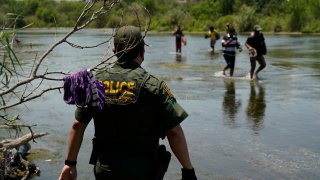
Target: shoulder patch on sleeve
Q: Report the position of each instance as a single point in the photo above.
(167, 90)
(152, 81)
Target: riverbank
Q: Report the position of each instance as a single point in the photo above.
(185, 32)
(193, 16)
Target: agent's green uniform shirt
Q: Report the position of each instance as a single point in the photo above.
(158, 93)
(139, 109)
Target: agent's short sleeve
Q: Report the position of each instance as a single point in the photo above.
(84, 115)
(173, 113)
(170, 111)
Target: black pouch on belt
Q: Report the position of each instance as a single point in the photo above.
(94, 153)
(162, 162)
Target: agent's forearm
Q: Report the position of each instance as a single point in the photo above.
(75, 140)
(179, 147)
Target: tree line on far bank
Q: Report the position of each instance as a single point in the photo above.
(272, 15)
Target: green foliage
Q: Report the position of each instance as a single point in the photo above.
(227, 7)
(151, 5)
(296, 21)
(68, 13)
(283, 15)
(134, 14)
(9, 59)
(45, 15)
(31, 7)
(245, 20)
(205, 10)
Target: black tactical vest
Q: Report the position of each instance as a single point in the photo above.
(128, 124)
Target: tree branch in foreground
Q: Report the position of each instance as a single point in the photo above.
(13, 143)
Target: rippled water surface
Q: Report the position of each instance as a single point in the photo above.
(236, 129)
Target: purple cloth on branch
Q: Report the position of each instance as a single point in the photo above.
(80, 89)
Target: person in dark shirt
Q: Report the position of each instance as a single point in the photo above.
(179, 36)
(257, 49)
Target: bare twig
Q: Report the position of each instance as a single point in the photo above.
(23, 99)
(38, 61)
(22, 91)
(147, 26)
(15, 126)
(83, 47)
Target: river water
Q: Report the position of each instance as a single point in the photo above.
(236, 129)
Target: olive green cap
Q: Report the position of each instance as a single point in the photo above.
(127, 37)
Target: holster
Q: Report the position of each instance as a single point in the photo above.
(162, 162)
(94, 154)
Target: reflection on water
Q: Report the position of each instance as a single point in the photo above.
(180, 58)
(213, 55)
(256, 107)
(230, 103)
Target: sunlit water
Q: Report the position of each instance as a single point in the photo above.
(236, 129)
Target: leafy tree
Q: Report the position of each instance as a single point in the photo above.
(46, 15)
(205, 10)
(290, 15)
(30, 7)
(297, 18)
(151, 5)
(227, 7)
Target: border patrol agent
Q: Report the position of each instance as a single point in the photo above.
(139, 110)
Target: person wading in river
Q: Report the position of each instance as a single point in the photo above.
(257, 49)
(230, 43)
(214, 36)
(179, 38)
